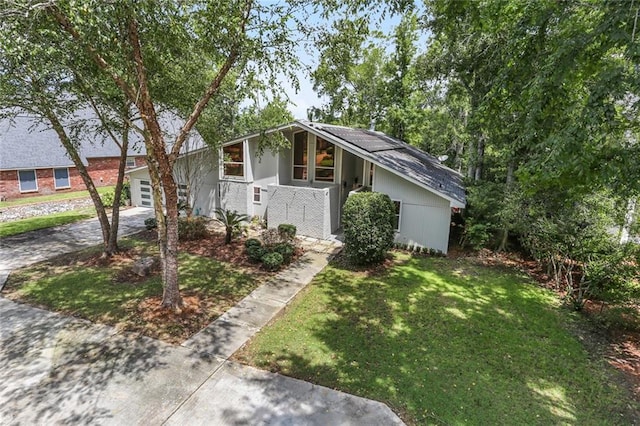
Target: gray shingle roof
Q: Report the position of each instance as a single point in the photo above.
(28, 143)
(398, 157)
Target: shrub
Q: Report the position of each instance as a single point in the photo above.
(252, 242)
(272, 261)
(192, 228)
(286, 250)
(125, 192)
(368, 220)
(256, 253)
(151, 223)
(287, 231)
(232, 221)
(108, 198)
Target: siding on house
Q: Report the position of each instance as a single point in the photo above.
(424, 218)
(310, 209)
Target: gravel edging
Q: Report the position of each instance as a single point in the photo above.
(10, 214)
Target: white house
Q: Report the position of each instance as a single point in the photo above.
(307, 184)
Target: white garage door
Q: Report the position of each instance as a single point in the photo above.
(146, 199)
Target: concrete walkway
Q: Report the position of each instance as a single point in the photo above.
(58, 369)
(35, 246)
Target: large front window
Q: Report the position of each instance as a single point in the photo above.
(325, 160)
(300, 160)
(233, 158)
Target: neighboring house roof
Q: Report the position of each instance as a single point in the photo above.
(396, 156)
(28, 143)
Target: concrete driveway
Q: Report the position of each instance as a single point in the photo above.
(62, 370)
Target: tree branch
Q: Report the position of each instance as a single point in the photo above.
(213, 87)
(68, 27)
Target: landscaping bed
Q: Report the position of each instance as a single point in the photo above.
(445, 341)
(213, 278)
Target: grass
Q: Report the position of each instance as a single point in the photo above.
(443, 342)
(40, 222)
(59, 196)
(106, 292)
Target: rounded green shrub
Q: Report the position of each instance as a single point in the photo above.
(286, 250)
(252, 242)
(272, 261)
(368, 220)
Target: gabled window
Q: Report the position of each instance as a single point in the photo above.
(131, 162)
(300, 156)
(27, 180)
(61, 178)
(397, 204)
(257, 194)
(233, 159)
(325, 160)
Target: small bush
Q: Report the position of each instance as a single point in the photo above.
(272, 261)
(286, 250)
(368, 220)
(252, 242)
(108, 198)
(151, 223)
(125, 192)
(191, 228)
(287, 231)
(255, 253)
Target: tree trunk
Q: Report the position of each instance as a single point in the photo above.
(115, 212)
(82, 170)
(479, 159)
(470, 164)
(628, 220)
(508, 187)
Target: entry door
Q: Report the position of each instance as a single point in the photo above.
(146, 199)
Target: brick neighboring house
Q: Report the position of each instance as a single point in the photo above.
(34, 162)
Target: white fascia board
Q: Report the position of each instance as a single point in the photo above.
(369, 156)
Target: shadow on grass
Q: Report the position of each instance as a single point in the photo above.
(444, 342)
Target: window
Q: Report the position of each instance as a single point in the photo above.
(325, 160)
(131, 162)
(233, 158)
(28, 180)
(257, 194)
(145, 193)
(300, 149)
(398, 208)
(61, 178)
(182, 194)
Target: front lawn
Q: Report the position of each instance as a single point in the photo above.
(41, 222)
(443, 341)
(108, 292)
(59, 196)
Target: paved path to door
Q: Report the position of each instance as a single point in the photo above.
(62, 370)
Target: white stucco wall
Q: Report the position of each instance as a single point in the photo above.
(306, 207)
(200, 170)
(425, 217)
(264, 170)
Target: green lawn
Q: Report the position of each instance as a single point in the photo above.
(60, 196)
(40, 222)
(78, 285)
(443, 342)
